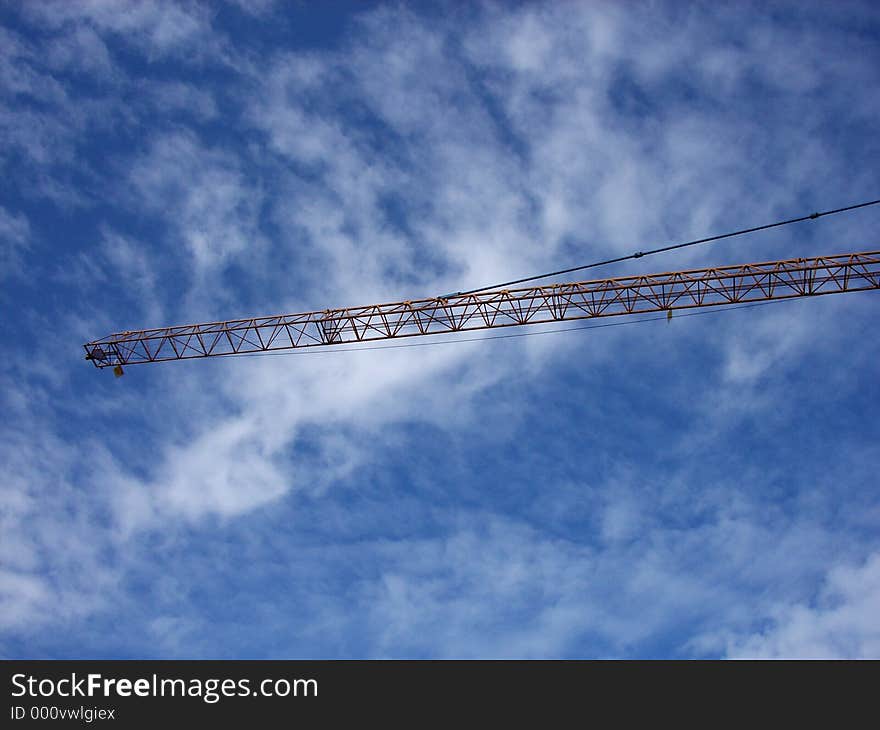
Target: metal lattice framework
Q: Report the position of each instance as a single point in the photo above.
(507, 308)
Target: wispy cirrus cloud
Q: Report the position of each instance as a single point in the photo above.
(841, 622)
(14, 239)
(156, 27)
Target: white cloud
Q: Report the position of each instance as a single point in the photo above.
(209, 207)
(170, 98)
(14, 240)
(842, 623)
(22, 597)
(158, 27)
(493, 587)
(81, 49)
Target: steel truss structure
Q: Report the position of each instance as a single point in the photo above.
(758, 282)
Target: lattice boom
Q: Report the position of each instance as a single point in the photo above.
(508, 308)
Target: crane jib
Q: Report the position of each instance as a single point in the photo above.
(461, 312)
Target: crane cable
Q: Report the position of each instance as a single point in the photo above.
(673, 247)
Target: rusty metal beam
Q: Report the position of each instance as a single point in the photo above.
(757, 282)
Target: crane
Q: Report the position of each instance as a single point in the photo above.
(480, 309)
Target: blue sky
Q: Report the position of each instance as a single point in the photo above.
(704, 488)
